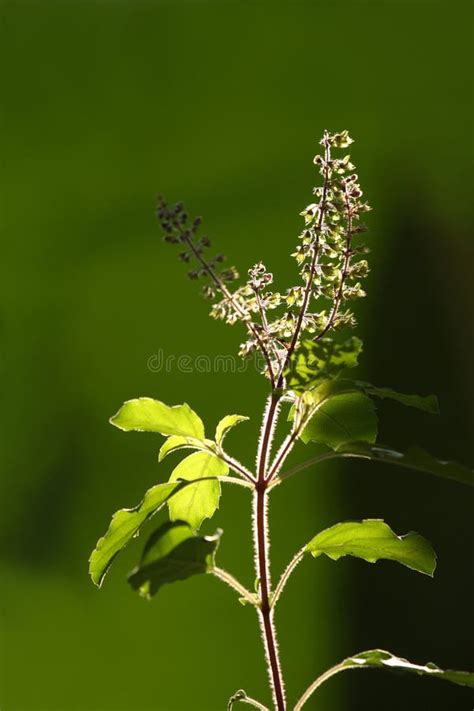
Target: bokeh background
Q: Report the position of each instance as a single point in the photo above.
(221, 104)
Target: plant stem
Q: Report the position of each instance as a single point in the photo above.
(261, 538)
(286, 574)
(237, 467)
(262, 545)
(234, 583)
(266, 435)
(288, 444)
(265, 611)
(282, 454)
(321, 679)
(235, 480)
(316, 460)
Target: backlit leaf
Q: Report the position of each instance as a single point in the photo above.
(147, 415)
(226, 424)
(373, 540)
(382, 659)
(428, 403)
(314, 361)
(342, 418)
(173, 552)
(414, 458)
(201, 501)
(126, 523)
(177, 442)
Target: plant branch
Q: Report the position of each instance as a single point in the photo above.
(262, 311)
(314, 261)
(289, 442)
(344, 270)
(286, 574)
(263, 316)
(234, 583)
(270, 417)
(321, 679)
(325, 456)
(230, 298)
(237, 467)
(281, 455)
(235, 480)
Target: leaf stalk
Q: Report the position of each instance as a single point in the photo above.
(228, 578)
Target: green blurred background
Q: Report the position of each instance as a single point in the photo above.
(221, 105)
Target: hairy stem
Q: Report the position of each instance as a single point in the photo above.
(270, 417)
(265, 612)
(235, 480)
(321, 679)
(228, 578)
(237, 467)
(286, 574)
(325, 456)
(261, 537)
(299, 424)
(262, 545)
(282, 454)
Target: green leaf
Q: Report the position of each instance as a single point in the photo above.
(147, 415)
(427, 403)
(202, 500)
(309, 400)
(381, 659)
(176, 442)
(313, 397)
(342, 418)
(414, 458)
(173, 552)
(126, 523)
(314, 361)
(226, 424)
(373, 540)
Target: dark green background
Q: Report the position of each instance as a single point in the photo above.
(222, 105)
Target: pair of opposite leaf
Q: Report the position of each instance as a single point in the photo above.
(338, 412)
(193, 490)
(343, 419)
